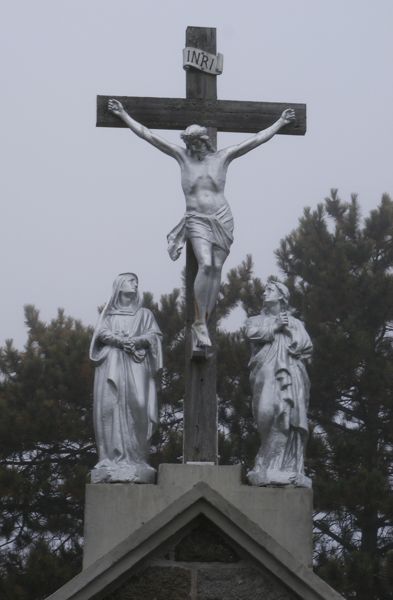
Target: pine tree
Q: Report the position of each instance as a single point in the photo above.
(340, 271)
(238, 438)
(46, 450)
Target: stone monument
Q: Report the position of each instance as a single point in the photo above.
(281, 390)
(198, 533)
(126, 352)
(202, 64)
(208, 221)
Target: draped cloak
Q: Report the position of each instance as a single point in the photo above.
(125, 398)
(278, 377)
(216, 228)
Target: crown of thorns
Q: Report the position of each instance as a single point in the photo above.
(194, 131)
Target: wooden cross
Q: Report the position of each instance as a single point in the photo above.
(202, 107)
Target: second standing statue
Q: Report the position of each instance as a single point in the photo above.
(281, 390)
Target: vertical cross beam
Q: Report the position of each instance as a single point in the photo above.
(200, 441)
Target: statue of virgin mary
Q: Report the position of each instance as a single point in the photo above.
(127, 354)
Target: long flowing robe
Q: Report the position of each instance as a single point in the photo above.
(281, 389)
(125, 398)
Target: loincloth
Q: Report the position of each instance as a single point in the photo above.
(216, 228)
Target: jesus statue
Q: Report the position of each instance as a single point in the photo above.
(208, 221)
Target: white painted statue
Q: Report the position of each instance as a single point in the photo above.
(281, 390)
(208, 221)
(126, 351)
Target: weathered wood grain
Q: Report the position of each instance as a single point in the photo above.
(200, 437)
(200, 419)
(224, 115)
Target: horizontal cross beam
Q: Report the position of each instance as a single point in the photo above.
(225, 115)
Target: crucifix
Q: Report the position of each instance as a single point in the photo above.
(207, 226)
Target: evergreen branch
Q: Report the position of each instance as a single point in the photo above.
(325, 529)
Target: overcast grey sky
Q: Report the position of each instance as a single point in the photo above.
(81, 204)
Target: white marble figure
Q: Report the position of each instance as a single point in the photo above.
(208, 221)
(280, 388)
(126, 351)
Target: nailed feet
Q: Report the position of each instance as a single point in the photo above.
(200, 335)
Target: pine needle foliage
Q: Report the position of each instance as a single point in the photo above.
(339, 268)
(340, 271)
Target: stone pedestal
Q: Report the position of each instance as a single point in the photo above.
(114, 511)
(198, 534)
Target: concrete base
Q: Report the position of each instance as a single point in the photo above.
(109, 472)
(114, 511)
(273, 477)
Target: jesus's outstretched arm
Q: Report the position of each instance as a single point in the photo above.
(259, 138)
(116, 107)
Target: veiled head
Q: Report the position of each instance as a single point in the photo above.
(125, 295)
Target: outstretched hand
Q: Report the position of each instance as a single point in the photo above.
(115, 107)
(288, 116)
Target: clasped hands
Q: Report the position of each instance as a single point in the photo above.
(130, 344)
(282, 321)
(282, 324)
